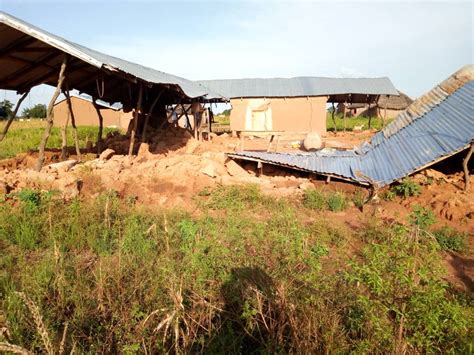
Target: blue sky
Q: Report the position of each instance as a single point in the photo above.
(416, 44)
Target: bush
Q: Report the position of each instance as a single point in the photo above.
(336, 201)
(450, 239)
(319, 201)
(314, 199)
(407, 187)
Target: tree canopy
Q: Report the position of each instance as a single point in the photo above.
(37, 111)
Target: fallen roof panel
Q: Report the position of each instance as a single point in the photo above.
(442, 128)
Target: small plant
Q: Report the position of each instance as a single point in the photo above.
(314, 199)
(422, 217)
(359, 198)
(336, 202)
(450, 239)
(407, 187)
(388, 195)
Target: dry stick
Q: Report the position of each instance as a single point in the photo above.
(49, 116)
(147, 118)
(135, 123)
(345, 103)
(333, 119)
(64, 139)
(73, 123)
(13, 115)
(101, 126)
(465, 168)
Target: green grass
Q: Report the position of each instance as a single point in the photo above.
(320, 200)
(24, 136)
(248, 273)
(376, 123)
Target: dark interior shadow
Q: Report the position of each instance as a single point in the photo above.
(464, 268)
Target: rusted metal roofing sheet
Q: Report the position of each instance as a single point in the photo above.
(101, 60)
(300, 87)
(437, 125)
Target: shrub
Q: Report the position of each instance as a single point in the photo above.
(422, 217)
(314, 199)
(359, 198)
(407, 187)
(450, 239)
(336, 201)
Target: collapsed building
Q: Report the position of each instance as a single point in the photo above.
(30, 56)
(434, 127)
(294, 104)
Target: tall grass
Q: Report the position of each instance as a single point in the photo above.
(24, 136)
(107, 276)
(376, 122)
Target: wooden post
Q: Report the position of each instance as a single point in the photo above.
(333, 119)
(370, 117)
(384, 116)
(49, 116)
(135, 122)
(73, 123)
(209, 115)
(465, 163)
(64, 139)
(147, 118)
(13, 115)
(345, 105)
(101, 126)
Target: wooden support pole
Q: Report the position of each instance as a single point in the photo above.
(101, 126)
(333, 119)
(135, 122)
(73, 123)
(465, 167)
(384, 116)
(150, 111)
(49, 115)
(13, 115)
(345, 105)
(64, 139)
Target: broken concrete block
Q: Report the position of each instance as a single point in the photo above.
(62, 166)
(312, 141)
(209, 170)
(106, 154)
(235, 169)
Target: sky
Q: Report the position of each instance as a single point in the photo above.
(415, 44)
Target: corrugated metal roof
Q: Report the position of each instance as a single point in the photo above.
(114, 64)
(300, 87)
(439, 124)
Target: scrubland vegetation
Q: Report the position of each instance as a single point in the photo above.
(375, 122)
(24, 136)
(243, 273)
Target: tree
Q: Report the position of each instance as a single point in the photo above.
(37, 111)
(5, 109)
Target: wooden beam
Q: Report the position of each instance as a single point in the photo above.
(101, 126)
(73, 122)
(44, 78)
(49, 115)
(465, 167)
(23, 41)
(137, 116)
(31, 66)
(13, 115)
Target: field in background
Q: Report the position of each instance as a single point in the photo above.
(376, 123)
(24, 136)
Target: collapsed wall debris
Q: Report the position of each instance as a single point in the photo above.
(434, 127)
